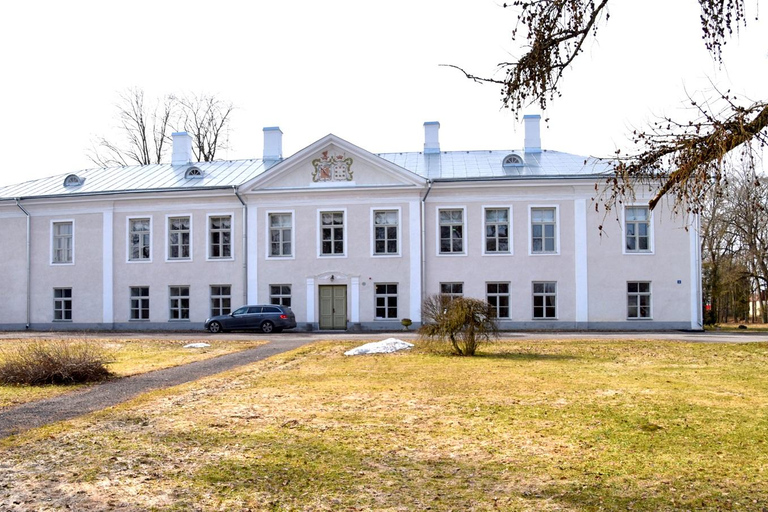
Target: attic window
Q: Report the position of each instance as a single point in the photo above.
(512, 160)
(73, 180)
(193, 173)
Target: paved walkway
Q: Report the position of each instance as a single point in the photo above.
(70, 405)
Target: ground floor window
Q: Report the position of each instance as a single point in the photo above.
(386, 300)
(179, 303)
(638, 300)
(280, 294)
(140, 303)
(545, 300)
(497, 295)
(62, 304)
(452, 290)
(221, 300)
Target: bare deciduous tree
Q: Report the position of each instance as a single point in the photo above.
(682, 159)
(145, 131)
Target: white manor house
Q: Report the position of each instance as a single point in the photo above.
(347, 238)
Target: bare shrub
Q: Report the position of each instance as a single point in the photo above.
(463, 322)
(54, 362)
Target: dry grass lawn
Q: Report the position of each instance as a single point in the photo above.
(130, 357)
(544, 425)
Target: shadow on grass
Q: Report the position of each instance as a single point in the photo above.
(519, 356)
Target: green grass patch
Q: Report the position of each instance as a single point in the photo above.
(533, 425)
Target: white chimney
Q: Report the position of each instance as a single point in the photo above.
(532, 133)
(273, 144)
(182, 148)
(431, 137)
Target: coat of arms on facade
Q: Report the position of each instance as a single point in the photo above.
(332, 168)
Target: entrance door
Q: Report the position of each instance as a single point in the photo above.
(333, 307)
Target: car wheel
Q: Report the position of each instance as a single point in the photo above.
(215, 327)
(267, 327)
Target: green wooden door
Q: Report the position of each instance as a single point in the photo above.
(333, 307)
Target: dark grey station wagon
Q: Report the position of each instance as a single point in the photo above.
(266, 318)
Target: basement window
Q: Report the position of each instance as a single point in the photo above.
(73, 180)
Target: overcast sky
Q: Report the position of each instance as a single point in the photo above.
(366, 71)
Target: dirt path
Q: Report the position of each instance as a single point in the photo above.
(70, 405)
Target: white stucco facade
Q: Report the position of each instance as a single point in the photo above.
(348, 239)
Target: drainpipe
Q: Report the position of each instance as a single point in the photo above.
(245, 244)
(424, 243)
(29, 265)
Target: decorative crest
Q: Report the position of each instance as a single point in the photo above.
(332, 168)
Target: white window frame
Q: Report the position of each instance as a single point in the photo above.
(464, 237)
(545, 294)
(268, 245)
(399, 252)
(128, 220)
(386, 297)
(208, 237)
(140, 298)
(53, 244)
(219, 297)
(58, 304)
(171, 299)
(452, 295)
(651, 245)
(508, 295)
(281, 295)
(345, 234)
(511, 250)
(648, 294)
(532, 207)
(168, 217)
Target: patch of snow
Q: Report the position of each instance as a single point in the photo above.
(386, 346)
(196, 345)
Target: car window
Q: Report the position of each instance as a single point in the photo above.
(271, 309)
(254, 309)
(240, 311)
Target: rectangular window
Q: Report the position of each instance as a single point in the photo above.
(62, 304)
(179, 238)
(637, 226)
(638, 300)
(280, 234)
(140, 239)
(220, 236)
(497, 230)
(179, 302)
(332, 233)
(452, 290)
(543, 225)
(545, 300)
(497, 295)
(451, 231)
(280, 294)
(385, 231)
(386, 301)
(221, 300)
(140, 303)
(63, 242)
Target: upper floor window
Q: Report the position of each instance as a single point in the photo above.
(179, 238)
(451, 231)
(497, 230)
(543, 230)
(139, 234)
(385, 226)
(332, 233)
(63, 242)
(280, 234)
(220, 236)
(637, 229)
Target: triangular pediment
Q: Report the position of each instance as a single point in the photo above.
(333, 163)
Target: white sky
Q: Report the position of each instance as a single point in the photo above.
(365, 71)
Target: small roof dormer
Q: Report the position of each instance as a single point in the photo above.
(193, 173)
(73, 180)
(512, 160)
